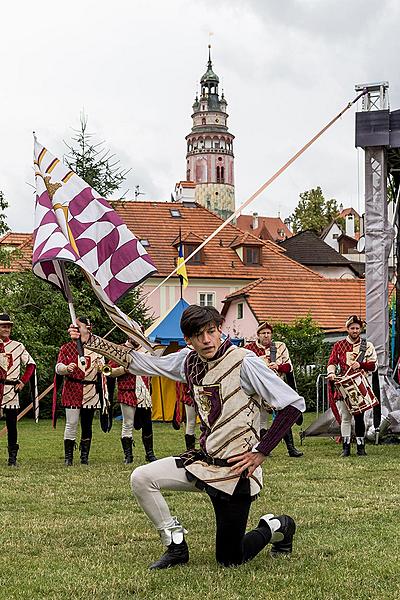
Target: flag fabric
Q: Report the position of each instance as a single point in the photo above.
(181, 271)
(74, 224)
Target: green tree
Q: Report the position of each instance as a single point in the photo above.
(308, 352)
(314, 212)
(4, 254)
(93, 162)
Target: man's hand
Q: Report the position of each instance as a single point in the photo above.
(247, 461)
(18, 387)
(273, 366)
(73, 331)
(331, 376)
(355, 365)
(71, 367)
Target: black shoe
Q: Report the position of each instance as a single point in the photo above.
(148, 446)
(190, 441)
(292, 450)
(84, 447)
(127, 444)
(12, 455)
(287, 530)
(361, 450)
(346, 450)
(176, 554)
(69, 446)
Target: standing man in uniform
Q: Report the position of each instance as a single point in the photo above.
(228, 385)
(135, 400)
(348, 356)
(80, 394)
(18, 359)
(276, 356)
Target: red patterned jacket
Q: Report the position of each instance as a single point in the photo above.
(76, 394)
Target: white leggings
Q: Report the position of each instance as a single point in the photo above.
(128, 417)
(71, 423)
(345, 426)
(190, 419)
(147, 482)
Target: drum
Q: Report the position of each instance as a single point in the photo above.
(356, 393)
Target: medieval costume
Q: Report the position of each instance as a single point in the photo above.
(20, 368)
(276, 352)
(135, 400)
(344, 353)
(81, 393)
(184, 396)
(228, 385)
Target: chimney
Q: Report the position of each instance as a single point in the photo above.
(350, 225)
(255, 221)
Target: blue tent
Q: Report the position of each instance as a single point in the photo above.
(168, 330)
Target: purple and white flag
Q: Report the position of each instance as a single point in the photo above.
(74, 224)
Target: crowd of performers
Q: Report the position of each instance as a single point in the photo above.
(231, 389)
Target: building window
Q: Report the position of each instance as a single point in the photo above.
(240, 310)
(251, 255)
(145, 243)
(197, 259)
(207, 298)
(176, 213)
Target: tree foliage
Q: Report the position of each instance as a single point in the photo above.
(4, 254)
(314, 212)
(41, 317)
(93, 162)
(308, 352)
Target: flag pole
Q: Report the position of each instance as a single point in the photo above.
(70, 300)
(180, 276)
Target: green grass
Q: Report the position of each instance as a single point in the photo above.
(76, 533)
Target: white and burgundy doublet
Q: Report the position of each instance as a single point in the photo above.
(80, 387)
(133, 390)
(3, 370)
(346, 352)
(229, 418)
(17, 358)
(282, 358)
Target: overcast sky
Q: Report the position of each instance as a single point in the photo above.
(287, 67)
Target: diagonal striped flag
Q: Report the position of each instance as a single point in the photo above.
(74, 224)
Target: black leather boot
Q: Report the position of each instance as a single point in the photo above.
(190, 441)
(148, 446)
(127, 444)
(292, 451)
(12, 455)
(361, 450)
(176, 554)
(69, 446)
(346, 450)
(282, 538)
(84, 447)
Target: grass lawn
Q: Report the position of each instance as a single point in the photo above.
(77, 533)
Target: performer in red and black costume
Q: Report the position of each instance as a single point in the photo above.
(276, 356)
(80, 394)
(183, 395)
(17, 358)
(348, 356)
(228, 385)
(135, 400)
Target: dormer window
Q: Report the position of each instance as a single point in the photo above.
(197, 259)
(175, 213)
(251, 255)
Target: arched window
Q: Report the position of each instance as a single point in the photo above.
(218, 174)
(203, 121)
(222, 175)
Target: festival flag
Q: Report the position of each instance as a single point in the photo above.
(74, 224)
(181, 270)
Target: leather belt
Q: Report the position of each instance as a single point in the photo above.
(217, 462)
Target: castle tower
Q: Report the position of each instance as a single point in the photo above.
(209, 158)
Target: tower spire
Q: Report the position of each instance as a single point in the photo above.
(209, 65)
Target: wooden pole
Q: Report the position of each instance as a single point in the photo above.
(29, 407)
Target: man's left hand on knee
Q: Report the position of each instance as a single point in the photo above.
(248, 461)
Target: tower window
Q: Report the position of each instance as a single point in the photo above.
(218, 174)
(203, 121)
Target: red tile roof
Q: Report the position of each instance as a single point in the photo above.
(153, 221)
(23, 243)
(269, 228)
(329, 301)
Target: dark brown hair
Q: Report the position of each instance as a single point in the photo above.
(195, 318)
